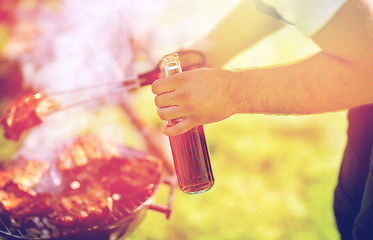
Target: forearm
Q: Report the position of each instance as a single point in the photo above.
(242, 27)
(319, 84)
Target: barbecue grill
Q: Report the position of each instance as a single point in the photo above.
(125, 213)
(127, 209)
(123, 223)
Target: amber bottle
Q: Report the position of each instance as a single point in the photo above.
(189, 150)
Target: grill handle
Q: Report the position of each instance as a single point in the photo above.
(171, 182)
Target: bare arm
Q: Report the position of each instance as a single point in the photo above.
(339, 77)
(241, 28)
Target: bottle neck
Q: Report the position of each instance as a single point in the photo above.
(171, 64)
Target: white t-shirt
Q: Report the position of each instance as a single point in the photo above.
(307, 15)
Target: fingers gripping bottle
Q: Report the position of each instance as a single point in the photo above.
(189, 150)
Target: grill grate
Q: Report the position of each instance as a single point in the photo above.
(36, 228)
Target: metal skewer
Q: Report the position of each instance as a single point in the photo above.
(131, 81)
(126, 85)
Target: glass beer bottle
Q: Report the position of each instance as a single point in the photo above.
(189, 150)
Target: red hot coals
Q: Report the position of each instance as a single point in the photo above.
(98, 180)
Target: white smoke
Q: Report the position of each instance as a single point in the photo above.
(81, 43)
(77, 43)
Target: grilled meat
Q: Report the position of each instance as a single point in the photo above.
(25, 113)
(131, 175)
(17, 179)
(20, 204)
(85, 149)
(83, 206)
(5, 177)
(25, 173)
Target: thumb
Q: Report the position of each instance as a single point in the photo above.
(180, 127)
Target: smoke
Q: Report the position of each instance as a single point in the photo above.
(68, 44)
(84, 42)
(81, 43)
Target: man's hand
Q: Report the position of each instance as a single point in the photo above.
(197, 97)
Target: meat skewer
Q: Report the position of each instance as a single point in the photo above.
(25, 113)
(29, 111)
